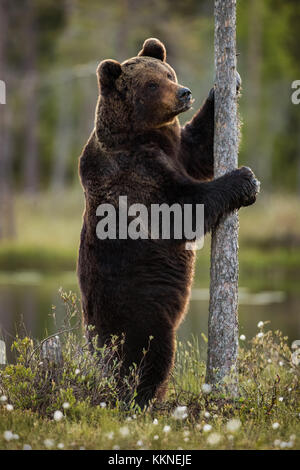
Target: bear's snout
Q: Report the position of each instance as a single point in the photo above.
(184, 94)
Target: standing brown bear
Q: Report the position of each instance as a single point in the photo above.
(141, 288)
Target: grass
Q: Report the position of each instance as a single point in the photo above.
(72, 404)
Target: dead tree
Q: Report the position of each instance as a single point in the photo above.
(223, 319)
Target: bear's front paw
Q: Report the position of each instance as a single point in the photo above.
(211, 95)
(250, 186)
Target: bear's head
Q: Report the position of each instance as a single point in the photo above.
(138, 95)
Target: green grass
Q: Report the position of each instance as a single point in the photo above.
(98, 428)
(102, 429)
(266, 415)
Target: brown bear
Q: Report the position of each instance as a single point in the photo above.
(140, 288)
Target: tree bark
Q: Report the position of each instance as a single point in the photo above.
(223, 319)
(254, 88)
(7, 217)
(63, 136)
(31, 162)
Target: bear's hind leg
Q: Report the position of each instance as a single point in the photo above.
(154, 367)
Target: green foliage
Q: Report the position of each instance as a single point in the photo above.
(83, 377)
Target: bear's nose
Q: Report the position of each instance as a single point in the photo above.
(184, 94)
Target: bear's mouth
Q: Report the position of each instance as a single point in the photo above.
(185, 106)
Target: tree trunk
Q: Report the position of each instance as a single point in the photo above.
(31, 163)
(63, 136)
(223, 320)
(254, 87)
(7, 218)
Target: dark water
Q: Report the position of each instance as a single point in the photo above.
(28, 298)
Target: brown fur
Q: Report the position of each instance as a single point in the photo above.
(141, 287)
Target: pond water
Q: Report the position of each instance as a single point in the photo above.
(27, 298)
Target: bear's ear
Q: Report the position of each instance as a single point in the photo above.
(108, 71)
(152, 47)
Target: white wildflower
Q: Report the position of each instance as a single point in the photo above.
(77, 371)
(156, 437)
(124, 431)
(110, 435)
(155, 421)
(180, 412)
(206, 388)
(3, 398)
(186, 439)
(260, 324)
(275, 425)
(16, 436)
(283, 445)
(242, 337)
(233, 425)
(207, 428)
(214, 438)
(103, 404)
(186, 433)
(116, 447)
(207, 414)
(280, 398)
(280, 363)
(9, 407)
(139, 443)
(61, 445)
(27, 447)
(167, 428)
(8, 435)
(66, 405)
(277, 442)
(48, 443)
(58, 415)
(260, 334)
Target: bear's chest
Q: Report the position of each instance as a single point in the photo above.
(139, 177)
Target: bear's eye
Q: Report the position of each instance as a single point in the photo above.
(170, 76)
(152, 85)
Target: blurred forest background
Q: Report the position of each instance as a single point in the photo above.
(49, 51)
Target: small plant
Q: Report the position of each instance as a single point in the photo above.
(66, 368)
